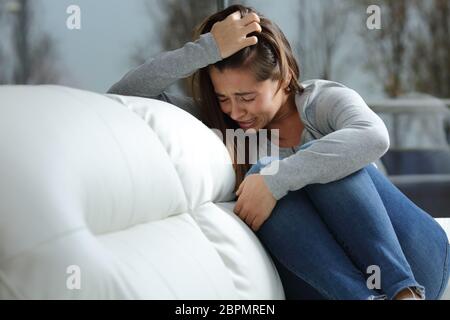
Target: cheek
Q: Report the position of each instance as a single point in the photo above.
(265, 105)
(263, 109)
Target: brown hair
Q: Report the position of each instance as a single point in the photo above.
(271, 58)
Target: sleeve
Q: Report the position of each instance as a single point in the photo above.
(356, 137)
(156, 74)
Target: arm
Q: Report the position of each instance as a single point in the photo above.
(357, 137)
(156, 74)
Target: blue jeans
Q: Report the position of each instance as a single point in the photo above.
(324, 237)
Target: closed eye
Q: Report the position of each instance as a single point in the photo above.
(248, 100)
(241, 98)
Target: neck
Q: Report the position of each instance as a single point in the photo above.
(287, 109)
(288, 123)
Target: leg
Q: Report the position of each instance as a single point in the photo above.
(310, 262)
(353, 210)
(422, 239)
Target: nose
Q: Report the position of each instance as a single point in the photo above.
(236, 111)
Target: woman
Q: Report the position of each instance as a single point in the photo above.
(328, 217)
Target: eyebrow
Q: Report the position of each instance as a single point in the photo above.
(237, 94)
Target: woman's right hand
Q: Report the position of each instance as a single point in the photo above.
(231, 33)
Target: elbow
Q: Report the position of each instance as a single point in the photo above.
(115, 89)
(122, 89)
(381, 142)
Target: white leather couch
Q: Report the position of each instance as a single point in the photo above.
(114, 197)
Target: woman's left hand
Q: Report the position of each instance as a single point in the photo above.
(255, 201)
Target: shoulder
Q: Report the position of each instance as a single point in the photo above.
(324, 101)
(318, 88)
(325, 95)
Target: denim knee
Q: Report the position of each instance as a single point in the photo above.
(261, 163)
(264, 161)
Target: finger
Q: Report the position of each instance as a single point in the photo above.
(237, 207)
(251, 17)
(249, 219)
(241, 186)
(254, 222)
(255, 225)
(238, 192)
(252, 27)
(250, 41)
(243, 214)
(235, 15)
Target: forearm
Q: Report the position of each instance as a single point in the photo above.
(156, 74)
(328, 159)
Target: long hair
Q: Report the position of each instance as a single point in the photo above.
(271, 58)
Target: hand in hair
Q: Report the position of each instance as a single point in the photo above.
(231, 33)
(255, 202)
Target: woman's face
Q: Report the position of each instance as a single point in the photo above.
(250, 103)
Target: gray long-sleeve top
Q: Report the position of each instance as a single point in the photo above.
(348, 134)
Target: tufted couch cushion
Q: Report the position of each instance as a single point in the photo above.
(124, 190)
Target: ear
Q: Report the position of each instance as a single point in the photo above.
(288, 81)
